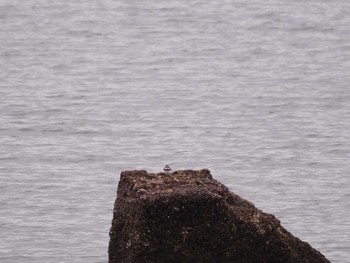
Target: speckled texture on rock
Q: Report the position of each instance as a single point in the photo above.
(187, 216)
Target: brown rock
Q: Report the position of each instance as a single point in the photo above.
(188, 216)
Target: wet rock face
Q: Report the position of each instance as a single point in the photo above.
(187, 216)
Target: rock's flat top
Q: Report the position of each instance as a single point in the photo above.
(163, 182)
(187, 216)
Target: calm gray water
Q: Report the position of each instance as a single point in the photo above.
(256, 91)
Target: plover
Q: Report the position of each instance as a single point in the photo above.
(167, 169)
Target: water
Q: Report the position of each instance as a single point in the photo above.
(258, 92)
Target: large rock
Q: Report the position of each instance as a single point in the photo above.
(187, 216)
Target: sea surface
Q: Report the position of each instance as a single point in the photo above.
(256, 91)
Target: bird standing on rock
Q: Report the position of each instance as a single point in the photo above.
(167, 169)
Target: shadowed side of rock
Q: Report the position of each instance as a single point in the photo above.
(187, 216)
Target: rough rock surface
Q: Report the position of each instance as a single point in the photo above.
(187, 216)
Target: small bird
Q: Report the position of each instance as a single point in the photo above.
(167, 169)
